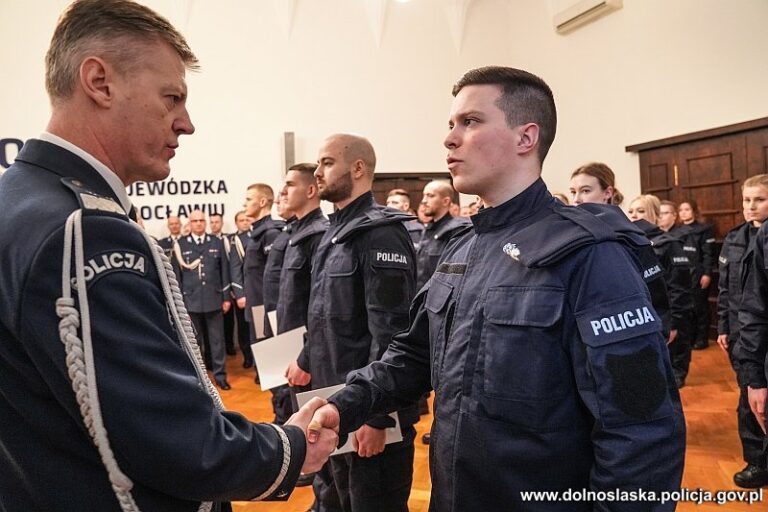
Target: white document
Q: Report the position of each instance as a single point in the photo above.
(393, 433)
(272, 317)
(257, 312)
(273, 355)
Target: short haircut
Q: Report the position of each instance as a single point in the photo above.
(444, 188)
(356, 147)
(758, 180)
(306, 172)
(113, 29)
(604, 176)
(215, 215)
(399, 192)
(264, 190)
(525, 98)
(241, 212)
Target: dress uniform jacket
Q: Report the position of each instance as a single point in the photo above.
(538, 336)
(167, 245)
(363, 278)
(237, 248)
(206, 287)
(677, 269)
(293, 301)
(263, 233)
(751, 356)
(165, 432)
(434, 239)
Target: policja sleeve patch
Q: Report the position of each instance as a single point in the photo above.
(617, 321)
(383, 258)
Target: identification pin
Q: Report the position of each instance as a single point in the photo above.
(512, 251)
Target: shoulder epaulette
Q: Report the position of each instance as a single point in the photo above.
(90, 200)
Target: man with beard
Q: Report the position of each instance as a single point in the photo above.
(363, 278)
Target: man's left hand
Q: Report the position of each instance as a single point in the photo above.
(225, 306)
(369, 441)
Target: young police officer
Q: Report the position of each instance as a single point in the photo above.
(549, 369)
(363, 278)
(105, 405)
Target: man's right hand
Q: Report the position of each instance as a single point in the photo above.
(323, 442)
(326, 416)
(757, 398)
(296, 376)
(241, 303)
(722, 340)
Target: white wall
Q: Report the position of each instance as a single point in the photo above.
(653, 69)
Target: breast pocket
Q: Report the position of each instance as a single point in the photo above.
(344, 295)
(523, 358)
(439, 308)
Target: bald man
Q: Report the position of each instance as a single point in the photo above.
(362, 282)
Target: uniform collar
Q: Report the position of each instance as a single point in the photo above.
(523, 205)
(436, 224)
(117, 186)
(353, 209)
(307, 219)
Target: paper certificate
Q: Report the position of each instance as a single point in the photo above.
(273, 355)
(394, 435)
(257, 312)
(272, 317)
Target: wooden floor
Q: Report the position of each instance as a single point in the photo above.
(709, 399)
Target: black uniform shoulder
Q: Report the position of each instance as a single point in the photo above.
(565, 230)
(375, 217)
(317, 227)
(739, 233)
(452, 227)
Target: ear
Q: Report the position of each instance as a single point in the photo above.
(95, 80)
(529, 138)
(358, 169)
(311, 191)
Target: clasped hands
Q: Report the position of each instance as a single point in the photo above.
(320, 422)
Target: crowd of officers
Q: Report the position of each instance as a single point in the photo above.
(349, 279)
(680, 285)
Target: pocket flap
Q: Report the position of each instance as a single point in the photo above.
(520, 305)
(438, 295)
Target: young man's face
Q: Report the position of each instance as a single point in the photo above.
(433, 202)
(398, 202)
(481, 146)
(667, 217)
(253, 202)
(295, 191)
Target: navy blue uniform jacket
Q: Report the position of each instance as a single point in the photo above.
(166, 434)
(205, 288)
(549, 370)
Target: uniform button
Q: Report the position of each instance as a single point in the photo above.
(203, 282)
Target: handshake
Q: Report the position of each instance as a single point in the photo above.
(319, 421)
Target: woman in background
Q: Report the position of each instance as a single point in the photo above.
(595, 182)
(736, 264)
(644, 212)
(699, 244)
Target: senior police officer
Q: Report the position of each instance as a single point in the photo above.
(216, 226)
(545, 378)
(104, 403)
(363, 277)
(204, 281)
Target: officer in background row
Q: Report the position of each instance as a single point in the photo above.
(363, 279)
(400, 199)
(202, 264)
(104, 403)
(258, 204)
(238, 242)
(216, 226)
(436, 199)
(281, 396)
(736, 264)
(699, 244)
(174, 233)
(644, 211)
(301, 196)
(536, 331)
